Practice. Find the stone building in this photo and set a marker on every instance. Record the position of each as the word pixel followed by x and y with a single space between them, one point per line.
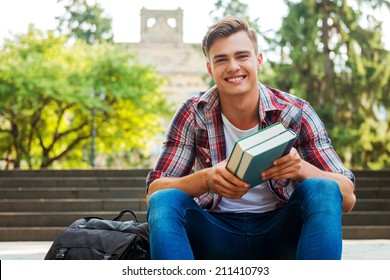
pixel 162 45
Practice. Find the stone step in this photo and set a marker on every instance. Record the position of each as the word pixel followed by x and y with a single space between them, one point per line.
pixel 128 191
pixel 76 173
pixel 29 233
pixel 371 173
pixel 366 218
pixel 56 205
pixel 50 233
pixel 74 193
pixel 138 204
pixel 132 181
pixel 64 218
pixel 136 172
pixel 372 182
pixel 366 232
pixel 71 182
pixel 375 192
pixel 57 219
pixel 372 204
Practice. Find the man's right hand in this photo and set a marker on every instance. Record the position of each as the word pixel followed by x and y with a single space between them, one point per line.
pixel 224 183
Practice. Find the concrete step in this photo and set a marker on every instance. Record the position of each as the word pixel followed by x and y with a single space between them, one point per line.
pixel 64 218
pixel 138 204
pixel 366 232
pixel 372 182
pixel 50 233
pixel 122 181
pixel 56 205
pixel 75 173
pixel 367 218
pixel 29 233
pixel 128 191
pixel 71 182
pixel 57 219
pixel 137 172
pixel 370 173
pixel 74 193
pixel 373 192
pixel 372 204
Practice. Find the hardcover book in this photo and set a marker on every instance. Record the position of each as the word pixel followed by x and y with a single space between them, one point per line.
pixel 255 153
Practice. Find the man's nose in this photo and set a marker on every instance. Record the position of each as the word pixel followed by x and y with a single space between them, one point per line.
pixel 233 66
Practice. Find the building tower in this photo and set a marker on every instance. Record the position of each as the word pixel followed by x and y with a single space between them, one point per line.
pixel 162 26
pixel 162 46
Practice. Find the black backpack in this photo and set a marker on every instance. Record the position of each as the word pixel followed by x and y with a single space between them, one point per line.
pixel 93 238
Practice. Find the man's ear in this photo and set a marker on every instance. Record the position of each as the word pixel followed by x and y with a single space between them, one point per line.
pixel 209 70
pixel 259 61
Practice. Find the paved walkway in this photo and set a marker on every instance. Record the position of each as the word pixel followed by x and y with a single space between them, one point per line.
pixel 353 250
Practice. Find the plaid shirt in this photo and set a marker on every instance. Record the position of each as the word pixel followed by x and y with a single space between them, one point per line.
pixel 196 140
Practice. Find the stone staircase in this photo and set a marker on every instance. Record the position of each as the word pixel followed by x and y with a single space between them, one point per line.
pixel 370 218
pixel 37 205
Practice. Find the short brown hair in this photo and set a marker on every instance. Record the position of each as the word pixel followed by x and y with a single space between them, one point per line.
pixel 226 27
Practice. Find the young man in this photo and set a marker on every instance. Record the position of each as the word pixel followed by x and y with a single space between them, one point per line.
pixel 198 209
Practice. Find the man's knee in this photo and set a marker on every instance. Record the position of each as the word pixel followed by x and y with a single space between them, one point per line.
pixel 320 186
pixel 168 202
pixel 167 196
pixel 320 191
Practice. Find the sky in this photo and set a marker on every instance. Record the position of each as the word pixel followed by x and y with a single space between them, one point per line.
pixel 16 15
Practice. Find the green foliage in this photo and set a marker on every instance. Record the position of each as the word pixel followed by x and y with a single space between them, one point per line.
pixel 48 89
pixel 332 55
pixel 224 8
pixel 85 22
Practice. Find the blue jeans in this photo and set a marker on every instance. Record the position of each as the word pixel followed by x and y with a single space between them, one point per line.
pixel 307 227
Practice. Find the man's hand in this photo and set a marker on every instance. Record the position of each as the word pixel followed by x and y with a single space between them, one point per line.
pixel 286 167
pixel 224 183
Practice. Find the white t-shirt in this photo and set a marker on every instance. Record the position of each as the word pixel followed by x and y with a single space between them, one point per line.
pixel 258 199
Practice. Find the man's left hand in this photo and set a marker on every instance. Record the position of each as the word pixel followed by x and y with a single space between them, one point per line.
pixel 287 167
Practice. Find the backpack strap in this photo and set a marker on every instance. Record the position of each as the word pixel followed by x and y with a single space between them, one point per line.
pixel 118 218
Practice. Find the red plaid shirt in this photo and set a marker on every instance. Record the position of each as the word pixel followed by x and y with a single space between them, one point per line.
pixel 196 140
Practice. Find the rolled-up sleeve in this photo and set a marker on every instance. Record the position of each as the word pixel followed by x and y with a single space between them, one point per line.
pixel 178 151
pixel 315 146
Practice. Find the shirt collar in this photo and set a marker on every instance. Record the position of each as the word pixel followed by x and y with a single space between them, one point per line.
pixel 209 99
pixel 268 100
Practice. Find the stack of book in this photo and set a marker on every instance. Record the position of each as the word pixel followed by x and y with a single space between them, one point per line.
pixel 255 153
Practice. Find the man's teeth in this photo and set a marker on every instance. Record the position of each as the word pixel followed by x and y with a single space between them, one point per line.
pixel 235 79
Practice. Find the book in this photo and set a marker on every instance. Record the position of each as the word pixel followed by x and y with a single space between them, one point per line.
pixel 255 153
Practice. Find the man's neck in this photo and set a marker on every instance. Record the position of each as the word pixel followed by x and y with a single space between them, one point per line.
pixel 243 113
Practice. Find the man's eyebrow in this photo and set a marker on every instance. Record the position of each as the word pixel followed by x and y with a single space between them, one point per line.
pixel 242 52
pixel 219 56
pixel 225 55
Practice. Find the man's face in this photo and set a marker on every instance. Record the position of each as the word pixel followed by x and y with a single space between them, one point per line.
pixel 233 64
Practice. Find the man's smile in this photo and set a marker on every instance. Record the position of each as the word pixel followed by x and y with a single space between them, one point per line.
pixel 235 79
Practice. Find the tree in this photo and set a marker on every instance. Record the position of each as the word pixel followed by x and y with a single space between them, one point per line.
pixel 224 8
pixel 46 102
pixel 332 54
pixel 86 22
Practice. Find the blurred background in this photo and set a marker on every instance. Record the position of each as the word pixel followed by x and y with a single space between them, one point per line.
pixel 93 84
